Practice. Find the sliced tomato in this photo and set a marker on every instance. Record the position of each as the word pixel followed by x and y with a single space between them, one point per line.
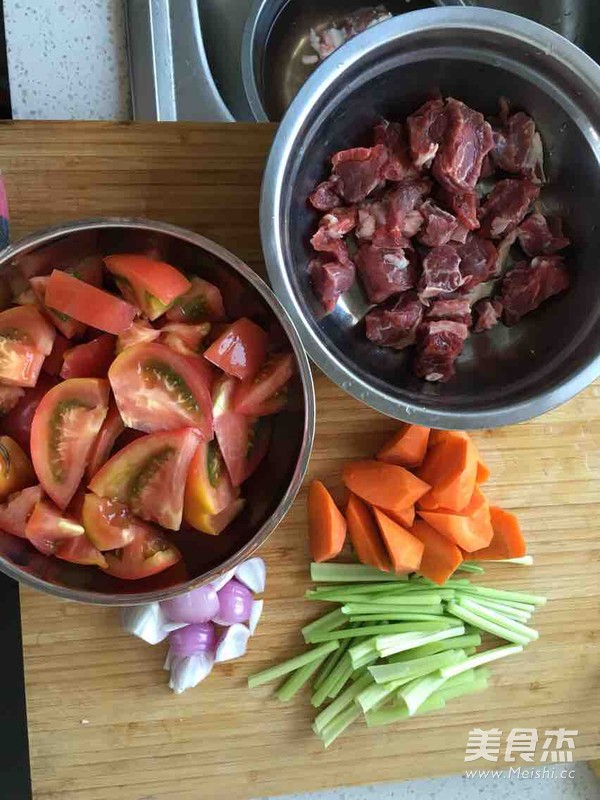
pixel 15 513
pixel 270 379
pixel 26 298
pixel 149 553
pixel 19 364
pixel 9 397
pixel 63 431
pixel 111 429
pixel 69 327
pixel 108 524
pixel 157 389
pixel 258 445
pixel 48 525
pixel 53 363
pixel 90 359
pixel 203 302
pixel 149 475
pixel 16 472
pixel 87 304
pixel 80 551
pixel 185 338
pixel 27 325
pixel 139 332
pixel 150 284
pixel 240 350
pixel 208 489
pixel 17 423
pixel 216 523
pixel 274 404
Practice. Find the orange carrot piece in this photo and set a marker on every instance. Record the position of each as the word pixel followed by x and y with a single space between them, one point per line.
pixel 483 472
pixel 406 448
pixel 507 541
pixel 387 486
pixel 364 535
pixel 404 517
pixel 326 524
pixel 428 502
pixel 404 549
pixel 450 467
pixel 471 529
pixel 441 557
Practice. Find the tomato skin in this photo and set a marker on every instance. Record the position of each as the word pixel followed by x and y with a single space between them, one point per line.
pixel 69 328
pixel 149 475
pixel 259 439
pixel 17 510
pixel 139 332
pixel 185 338
pixel 273 375
pixel 148 554
pixel 16 472
pixel 215 524
pixel 157 389
pixel 203 302
pixel 154 284
pixel 80 551
pixel 108 524
pixel 64 427
pixel 240 350
pixel 17 423
pixel 87 304
pixel 53 363
pixel 208 489
pixel 47 526
pixel 111 429
pixel 27 325
pixel 90 359
pixel 9 397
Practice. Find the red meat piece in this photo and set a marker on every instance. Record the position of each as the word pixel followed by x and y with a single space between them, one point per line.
pixel 330 279
pixel 455 309
pixel 541 236
pixel 439 343
pixel 487 314
pixel 463 205
pixel 331 231
pixel 324 197
pixel 518 148
pixel 385 271
pixel 426 127
pixel 526 286
pixel 391 220
pixel 441 273
pixel 477 261
pixel 399 165
pixel 438 227
pixel 506 206
pixel 487 166
pixel 395 326
pixel 358 171
pixel 460 234
pixel 467 140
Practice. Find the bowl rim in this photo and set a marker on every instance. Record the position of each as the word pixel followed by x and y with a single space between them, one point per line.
pixel 319 82
pixel 48 235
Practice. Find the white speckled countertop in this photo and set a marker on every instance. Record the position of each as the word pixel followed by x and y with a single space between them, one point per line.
pixel 68 60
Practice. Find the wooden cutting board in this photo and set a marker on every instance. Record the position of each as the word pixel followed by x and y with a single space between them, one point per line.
pixel 102 723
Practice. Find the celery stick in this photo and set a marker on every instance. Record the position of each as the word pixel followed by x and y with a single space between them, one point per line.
pixel 407 599
pixel 465 641
pixel 504 608
pixel 279 670
pixel 526 561
pixel 383 608
pixel 328 622
pixel 403 616
pixel 496 616
pixel 340 573
pixel 417 667
pixel 470 566
pixel 323 685
pixel 343 676
pixel 477 684
pixel 298 679
pixel 501 594
pixel 416 692
pixel 373 630
pixel 399 712
pixel 337 596
pixel 375 693
pixel 339 724
pixel 339 704
pixel 362 588
pixel 485 624
pixel 482 658
pixel 391 644
pixel 332 661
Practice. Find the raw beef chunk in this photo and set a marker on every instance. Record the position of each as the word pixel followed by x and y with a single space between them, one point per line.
pixel 526 286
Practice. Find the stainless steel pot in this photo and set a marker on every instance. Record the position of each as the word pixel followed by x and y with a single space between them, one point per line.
pixel 478 55
pixel 269 492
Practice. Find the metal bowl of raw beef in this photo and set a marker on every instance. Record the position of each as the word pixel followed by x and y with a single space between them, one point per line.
pixel 270 490
pixel 507 374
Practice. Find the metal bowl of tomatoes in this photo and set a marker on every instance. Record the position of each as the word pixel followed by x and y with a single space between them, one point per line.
pixel 157 411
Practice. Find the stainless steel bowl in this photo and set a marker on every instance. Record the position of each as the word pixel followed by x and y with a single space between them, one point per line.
pixel 478 55
pixel 269 492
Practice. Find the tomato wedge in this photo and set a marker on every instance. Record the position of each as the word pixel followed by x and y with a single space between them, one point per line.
pixel 157 389
pixel 9 397
pixel 108 524
pixel 149 476
pixel 80 551
pixel 89 360
pixel 19 364
pixel 18 509
pixel 139 332
pixel 240 350
pixel 16 472
pixel 63 431
pixel 203 302
pixel 53 363
pixel 252 393
pixel 17 423
pixel 149 553
pixel 152 285
pixel 208 489
pixel 272 405
pixel 111 429
pixel 184 338
pixel 69 328
pixel 48 525
pixel 26 324
pixel 216 523
pixel 87 304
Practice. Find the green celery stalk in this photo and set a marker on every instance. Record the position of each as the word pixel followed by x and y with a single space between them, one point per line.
pixel 339 724
pixel 485 624
pixel 385 609
pixel 373 630
pixel 416 692
pixel 399 712
pixel 340 573
pixel 451 691
pixel 408 599
pixel 526 561
pixel 465 641
pixel 396 617
pixel 482 658
pixel 298 679
pixel 417 667
pixel 328 622
pixel 374 694
pixel 345 673
pixel 322 687
pixel 346 698
pixel 391 644
pixel 501 594
pixel 508 611
pixel 362 588
pixel 496 616
pixel 279 670
pixel 470 566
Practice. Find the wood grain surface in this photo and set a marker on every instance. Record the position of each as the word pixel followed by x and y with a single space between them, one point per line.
pixel 102 723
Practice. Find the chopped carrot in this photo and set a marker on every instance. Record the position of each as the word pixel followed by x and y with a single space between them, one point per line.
pixel 404 517
pixel 507 541
pixel 450 467
pixel 428 502
pixel 326 524
pixel 441 557
pixel 406 448
pixel 483 472
pixel 364 535
pixel 387 486
pixel 404 549
pixel 471 529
